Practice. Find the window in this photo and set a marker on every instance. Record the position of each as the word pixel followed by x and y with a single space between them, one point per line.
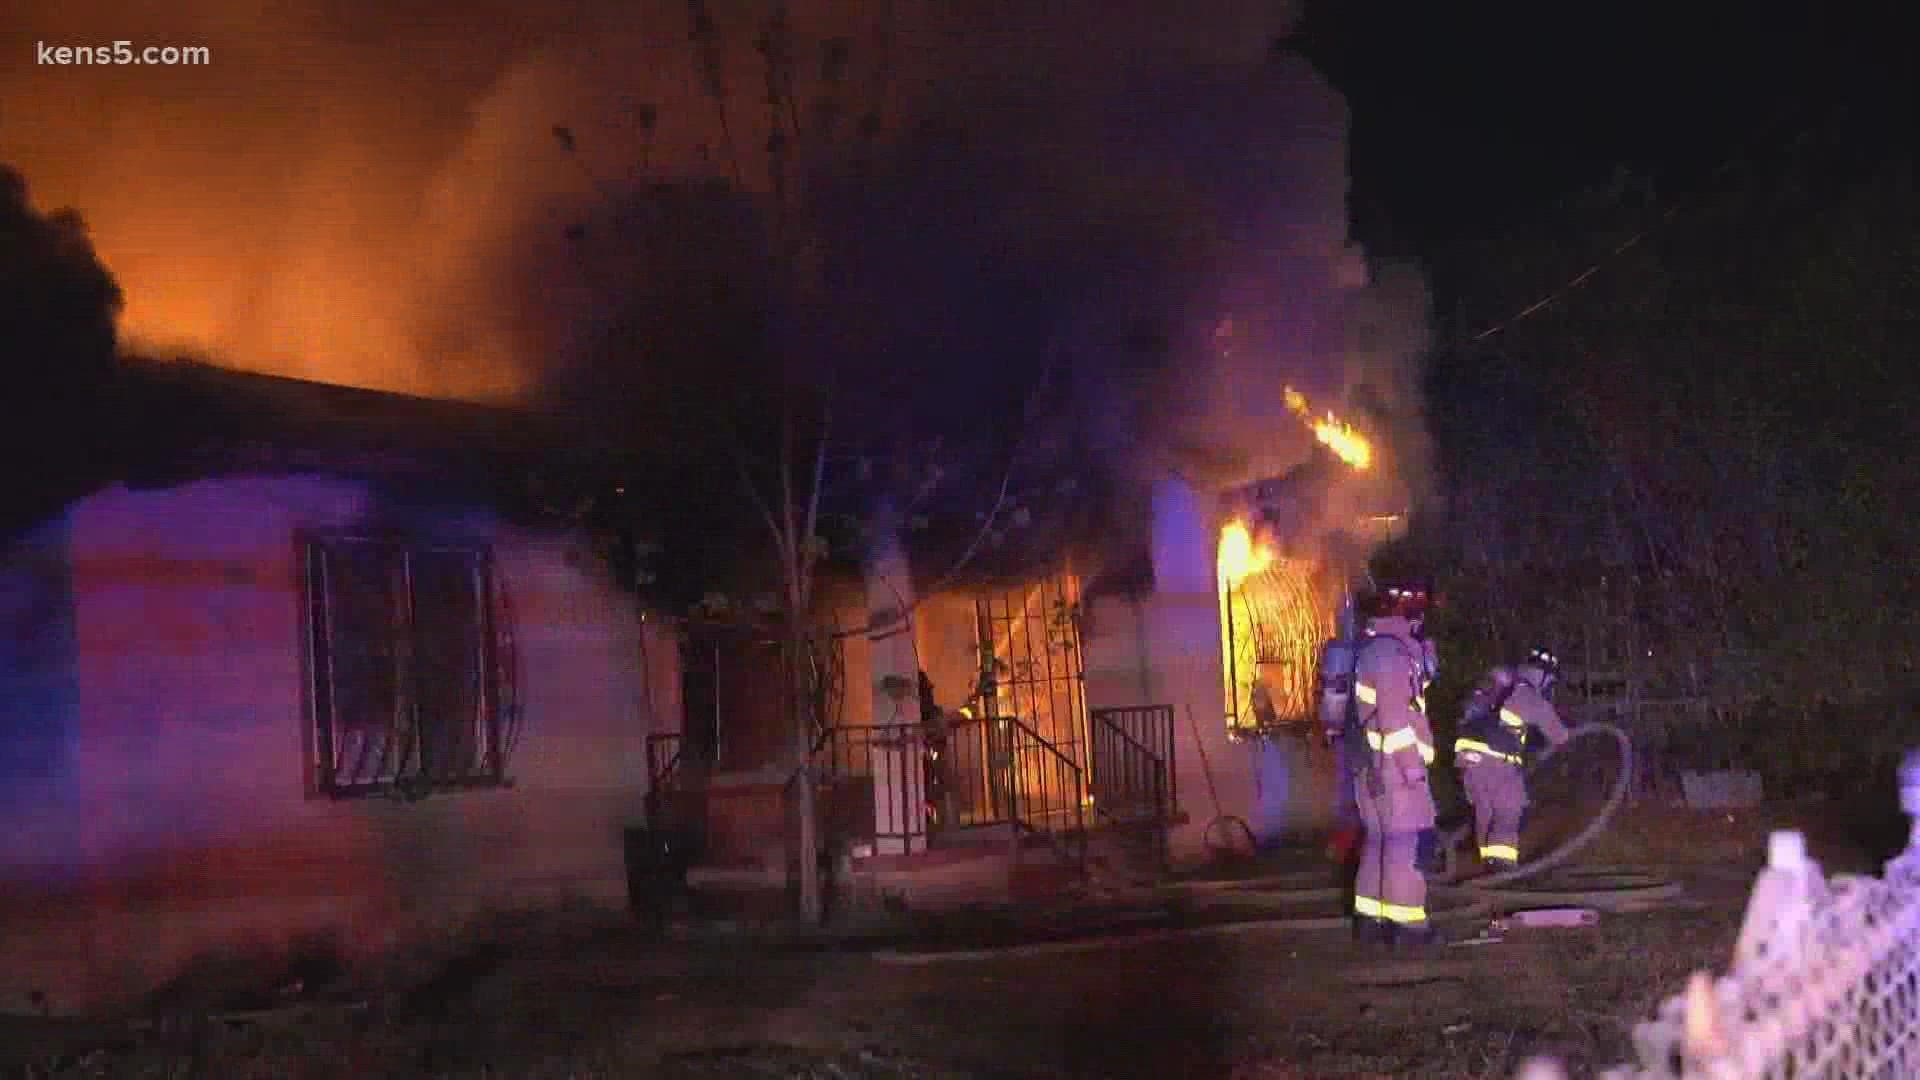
pixel 1034 743
pixel 1275 614
pixel 410 656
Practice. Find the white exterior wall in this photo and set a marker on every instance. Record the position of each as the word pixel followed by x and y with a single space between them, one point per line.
pixel 175 814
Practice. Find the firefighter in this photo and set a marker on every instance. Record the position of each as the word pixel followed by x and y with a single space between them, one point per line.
pixel 1491 750
pixel 1393 746
pixel 1337 659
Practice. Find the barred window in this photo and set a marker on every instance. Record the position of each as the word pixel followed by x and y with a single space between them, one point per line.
pixel 409 657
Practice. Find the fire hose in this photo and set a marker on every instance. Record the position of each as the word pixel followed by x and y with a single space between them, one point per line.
pixel 1284 895
pixel 1451 840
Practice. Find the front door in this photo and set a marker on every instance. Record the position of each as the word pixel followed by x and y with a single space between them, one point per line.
pixel 1033 694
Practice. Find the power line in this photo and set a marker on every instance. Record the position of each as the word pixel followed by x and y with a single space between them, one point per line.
pixel 1578 279
pixel 1798 140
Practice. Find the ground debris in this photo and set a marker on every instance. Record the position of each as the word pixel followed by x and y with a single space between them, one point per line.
pixel 1274 1005
pixel 796 1063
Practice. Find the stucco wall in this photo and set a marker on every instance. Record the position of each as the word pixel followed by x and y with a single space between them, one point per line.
pixel 1116 652
pixel 1165 649
pixel 944 641
pixel 176 815
pixel 39 690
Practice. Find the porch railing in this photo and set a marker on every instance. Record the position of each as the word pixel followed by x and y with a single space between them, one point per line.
pixel 1133 777
pixel 979 772
pixel 973 785
pixel 873 780
pixel 1049 789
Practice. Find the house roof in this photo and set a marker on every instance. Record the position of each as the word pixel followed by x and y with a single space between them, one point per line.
pixel 160 423
pixel 218 417
pixel 1099 528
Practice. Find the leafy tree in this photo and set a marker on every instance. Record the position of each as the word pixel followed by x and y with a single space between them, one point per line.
pixel 1703 433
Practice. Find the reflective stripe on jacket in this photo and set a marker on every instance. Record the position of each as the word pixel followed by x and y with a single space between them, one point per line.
pixel 1499 726
pixel 1392 709
pixel 1501 732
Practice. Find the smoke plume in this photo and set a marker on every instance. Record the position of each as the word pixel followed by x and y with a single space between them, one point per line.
pixel 372 193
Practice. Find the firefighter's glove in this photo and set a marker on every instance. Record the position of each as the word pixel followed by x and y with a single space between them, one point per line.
pixel 1413 775
pixel 1426 852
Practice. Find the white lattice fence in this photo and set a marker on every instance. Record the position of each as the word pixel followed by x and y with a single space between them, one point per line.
pixel 1825 980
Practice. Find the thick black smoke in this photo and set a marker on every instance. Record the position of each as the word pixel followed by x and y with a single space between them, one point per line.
pixel 374 194
pixel 57 310
pixel 1168 234
pixel 57 303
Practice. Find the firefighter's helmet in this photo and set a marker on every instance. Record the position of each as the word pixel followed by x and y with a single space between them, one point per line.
pixel 1543 661
pixel 1399 599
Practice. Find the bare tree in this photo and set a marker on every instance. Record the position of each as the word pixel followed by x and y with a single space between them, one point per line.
pixel 819 431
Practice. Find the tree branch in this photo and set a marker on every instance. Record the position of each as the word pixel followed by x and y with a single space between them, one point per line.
pixel 813 504
pixel 789 550
pixel 753 492
pixel 1028 411
pixel 973 547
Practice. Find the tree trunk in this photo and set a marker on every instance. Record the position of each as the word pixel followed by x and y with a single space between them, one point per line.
pixel 806 802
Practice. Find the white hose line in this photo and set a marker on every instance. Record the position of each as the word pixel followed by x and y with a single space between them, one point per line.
pixel 1478 908
pixel 1615 799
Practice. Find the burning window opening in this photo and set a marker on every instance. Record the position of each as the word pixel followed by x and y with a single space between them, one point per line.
pixel 1333 433
pixel 1273 618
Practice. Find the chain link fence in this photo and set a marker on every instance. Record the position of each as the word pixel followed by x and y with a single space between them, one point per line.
pixel 1825 979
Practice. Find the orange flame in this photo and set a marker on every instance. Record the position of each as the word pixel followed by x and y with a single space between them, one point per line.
pixel 1337 436
pixel 1273 620
pixel 1239 556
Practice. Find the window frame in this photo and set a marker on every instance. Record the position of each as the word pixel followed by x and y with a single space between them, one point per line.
pixel 495 707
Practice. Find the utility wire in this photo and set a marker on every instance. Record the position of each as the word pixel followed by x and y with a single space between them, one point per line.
pixel 1672 213
pixel 1578 279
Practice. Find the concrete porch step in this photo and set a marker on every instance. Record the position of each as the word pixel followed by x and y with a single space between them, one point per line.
pixel 927 860
pixel 1032 881
pixel 739 875
pixel 997 836
pixel 931 880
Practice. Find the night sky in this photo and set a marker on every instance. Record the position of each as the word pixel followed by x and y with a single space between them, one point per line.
pixel 1466 114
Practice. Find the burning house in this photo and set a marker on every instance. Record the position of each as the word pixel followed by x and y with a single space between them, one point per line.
pixel 1069 711
pixel 1143 688
pixel 314 671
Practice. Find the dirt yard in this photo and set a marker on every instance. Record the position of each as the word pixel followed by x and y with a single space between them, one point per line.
pixel 544 1001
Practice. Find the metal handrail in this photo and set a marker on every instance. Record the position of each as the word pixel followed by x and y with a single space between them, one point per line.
pixel 1138 746
pixel 1144 770
pixel 1108 800
pixel 1063 766
pixel 850 756
pixel 974 791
